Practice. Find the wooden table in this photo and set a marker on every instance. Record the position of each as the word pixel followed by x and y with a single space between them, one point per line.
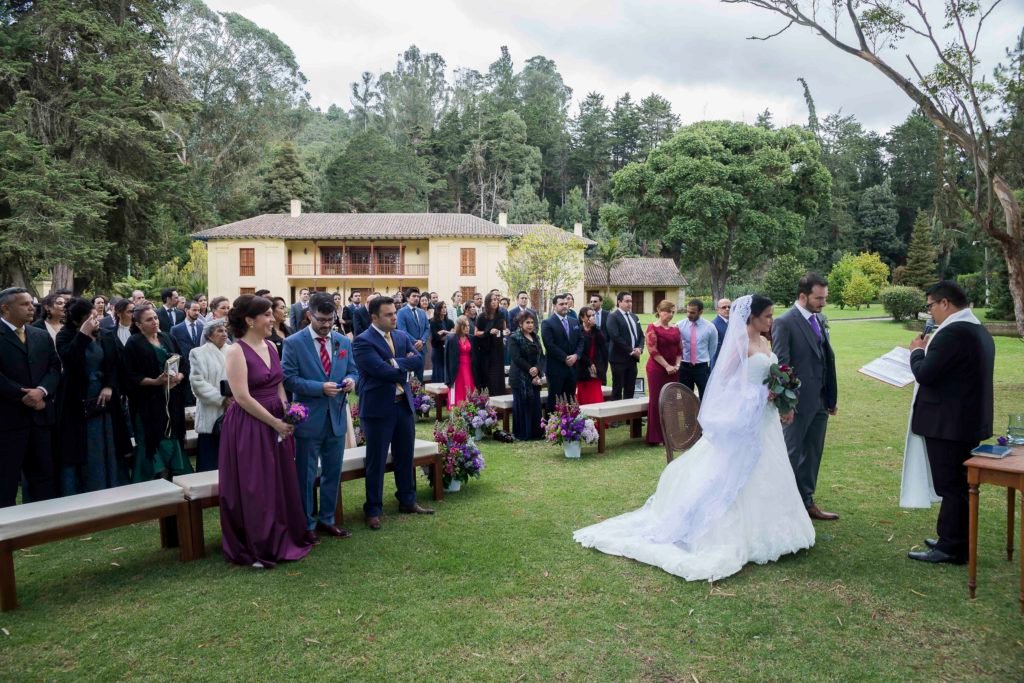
pixel 1008 472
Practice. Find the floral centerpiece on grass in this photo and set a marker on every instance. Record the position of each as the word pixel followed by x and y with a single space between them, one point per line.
pixel 783 387
pixel 477 413
pixel 460 458
pixel 422 403
pixel 356 427
pixel 567 427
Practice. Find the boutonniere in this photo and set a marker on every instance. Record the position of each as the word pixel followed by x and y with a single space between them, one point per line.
pixel 824 323
pixel 342 353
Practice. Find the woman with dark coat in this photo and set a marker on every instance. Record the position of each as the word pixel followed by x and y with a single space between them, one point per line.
pixel 157 399
pixel 440 327
pixel 525 375
pixel 489 358
pixel 593 362
pixel 93 440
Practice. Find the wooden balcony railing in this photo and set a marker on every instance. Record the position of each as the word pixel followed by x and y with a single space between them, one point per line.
pixel 358 269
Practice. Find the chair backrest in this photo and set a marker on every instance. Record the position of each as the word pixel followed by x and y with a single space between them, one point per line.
pixel 678 407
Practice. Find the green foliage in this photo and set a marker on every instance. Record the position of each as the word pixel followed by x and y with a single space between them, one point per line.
pixel 607 256
pixel 902 302
pixel 877 220
pixel 921 256
pixel 573 210
pixel 129 284
pixel 535 261
pixel 1000 302
pixel 858 291
pixel 780 282
pixel 286 179
pixel 974 287
pixel 375 175
pixel 838 278
pixel 876 272
pixel 527 207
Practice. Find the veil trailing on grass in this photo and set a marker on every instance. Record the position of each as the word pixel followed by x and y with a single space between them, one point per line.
pixel 730 416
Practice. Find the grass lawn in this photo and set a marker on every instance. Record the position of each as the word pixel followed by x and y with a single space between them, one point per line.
pixel 493 588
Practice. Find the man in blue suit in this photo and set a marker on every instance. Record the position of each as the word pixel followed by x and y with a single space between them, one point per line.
pixel 188 334
pixel 385 356
pixel 319 372
pixel 562 345
pixel 522 306
pixel 413 321
pixel 721 323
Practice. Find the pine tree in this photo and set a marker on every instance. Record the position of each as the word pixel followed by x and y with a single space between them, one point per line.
pixel 922 258
pixel 286 179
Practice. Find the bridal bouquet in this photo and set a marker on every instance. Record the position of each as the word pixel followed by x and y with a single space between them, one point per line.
pixel 295 414
pixel 567 425
pixel 783 387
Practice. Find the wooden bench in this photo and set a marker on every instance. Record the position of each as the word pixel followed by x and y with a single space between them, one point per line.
pixel 201 489
pixel 33 524
pixel 439 392
pixel 503 404
pixel 631 409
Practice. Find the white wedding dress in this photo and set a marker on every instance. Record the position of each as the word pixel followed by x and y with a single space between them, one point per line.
pixel 765 520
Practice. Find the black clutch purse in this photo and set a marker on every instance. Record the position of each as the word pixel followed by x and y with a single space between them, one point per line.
pixel 225 388
pixel 91 407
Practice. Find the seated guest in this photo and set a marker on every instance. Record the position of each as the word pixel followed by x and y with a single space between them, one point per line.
pixel 206 372
pixel 279 332
pixel 52 319
pixel 219 308
pixel 458 365
pixel 92 444
pixel 261 517
pixel 665 348
pixel 440 327
pixel 30 370
pixel 593 361
pixel 525 378
pixel 157 399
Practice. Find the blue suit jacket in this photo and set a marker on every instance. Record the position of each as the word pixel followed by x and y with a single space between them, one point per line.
pixel 179 333
pixel 557 346
pixel 413 321
pixel 377 376
pixel 720 325
pixel 304 379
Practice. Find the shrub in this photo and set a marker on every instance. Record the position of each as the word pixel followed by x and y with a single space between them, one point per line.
pixel 974 287
pixel 902 302
pixel 840 274
pixel 781 280
pixel 858 291
pixel 899 275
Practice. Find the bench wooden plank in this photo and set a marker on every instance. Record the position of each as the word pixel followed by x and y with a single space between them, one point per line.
pixel 628 409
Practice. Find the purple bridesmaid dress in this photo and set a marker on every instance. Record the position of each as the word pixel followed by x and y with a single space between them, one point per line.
pixel 261 515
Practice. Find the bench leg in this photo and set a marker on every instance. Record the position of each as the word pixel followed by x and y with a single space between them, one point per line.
pixel 600 436
pixel 504 420
pixel 169 532
pixel 438 479
pixel 195 515
pixel 184 526
pixel 1011 500
pixel 437 405
pixel 636 428
pixel 8 594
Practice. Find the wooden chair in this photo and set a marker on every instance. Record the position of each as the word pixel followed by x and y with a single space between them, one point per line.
pixel 678 407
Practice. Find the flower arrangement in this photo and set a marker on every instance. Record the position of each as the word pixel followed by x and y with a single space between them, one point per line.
pixel 567 425
pixel 476 413
pixel 422 403
pixel 357 429
pixel 783 387
pixel 294 414
pixel 460 458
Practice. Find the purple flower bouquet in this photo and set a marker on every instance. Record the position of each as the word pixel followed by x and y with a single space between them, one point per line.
pixel 295 414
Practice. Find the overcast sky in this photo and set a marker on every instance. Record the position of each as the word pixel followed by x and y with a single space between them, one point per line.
pixel 694 52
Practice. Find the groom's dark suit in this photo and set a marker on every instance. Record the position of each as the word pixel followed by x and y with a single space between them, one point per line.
pixel 796 343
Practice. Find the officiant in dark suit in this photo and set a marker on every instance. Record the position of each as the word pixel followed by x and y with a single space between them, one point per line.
pixel 800 339
pixel 952 411
pixel 29 377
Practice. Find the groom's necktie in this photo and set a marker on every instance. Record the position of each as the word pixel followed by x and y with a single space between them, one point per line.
pixel 325 358
pixel 815 326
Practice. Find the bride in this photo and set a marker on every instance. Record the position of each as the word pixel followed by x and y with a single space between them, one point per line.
pixel 732 498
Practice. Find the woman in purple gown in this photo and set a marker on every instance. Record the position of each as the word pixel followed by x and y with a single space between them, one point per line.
pixel 261 516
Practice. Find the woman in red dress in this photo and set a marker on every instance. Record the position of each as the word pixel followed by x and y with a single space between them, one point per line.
pixel 593 361
pixel 458 365
pixel 666 352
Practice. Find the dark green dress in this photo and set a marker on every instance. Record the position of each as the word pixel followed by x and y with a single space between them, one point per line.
pixel 168 454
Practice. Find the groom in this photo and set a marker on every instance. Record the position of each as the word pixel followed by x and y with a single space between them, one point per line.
pixel 800 340
pixel 319 372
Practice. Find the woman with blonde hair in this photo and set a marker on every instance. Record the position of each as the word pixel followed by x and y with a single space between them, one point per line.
pixel 458 370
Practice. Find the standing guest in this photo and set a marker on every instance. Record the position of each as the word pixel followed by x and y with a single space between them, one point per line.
pixel 428 356
pixel 700 341
pixel 188 334
pixel 425 305
pixel 952 410
pixel 413 321
pixel 156 398
pixel 522 306
pixel 490 332
pixel 478 300
pixel 399 298
pixel 99 306
pixel 562 346
pixel 665 347
pixel 626 346
pixel 525 377
pixel 800 341
pixel 571 310
pixel 124 311
pixel 355 300
pixel 721 323
pixel 385 357
pixel 440 327
pixel 593 363
pixel 279 331
pixel 600 317
pixel 207 370
pixel 180 305
pixel 260 506
pixel 471 311
pixel 265 293
pixel 204 306
pixel 456 308
pixel 108 323
pixel 91 445
pixel 53 315
pixel 320 373
pixel 168 314
pixel 30 370
pixel 219 308
pixel 339 322
pixel 298 310
pixel 138 296
pixel 458 364
pixel 504 302
pixel 104 312
pixel 361 316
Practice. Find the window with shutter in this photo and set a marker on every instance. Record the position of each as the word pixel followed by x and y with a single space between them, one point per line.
pixel 247 261
pixel 468 261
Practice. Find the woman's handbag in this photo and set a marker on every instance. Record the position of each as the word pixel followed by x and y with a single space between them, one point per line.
pixel 91 407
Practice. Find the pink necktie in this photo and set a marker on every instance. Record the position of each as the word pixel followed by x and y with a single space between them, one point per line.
pixel 325 360
pixel 693 344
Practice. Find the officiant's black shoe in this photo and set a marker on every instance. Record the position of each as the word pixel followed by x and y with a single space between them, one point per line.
pixel 814 512
pixel 415 509
pixel 332 530
pixel 931 542
pixel 935 556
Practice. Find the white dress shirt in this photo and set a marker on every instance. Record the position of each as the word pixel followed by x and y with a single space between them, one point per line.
pixel 707 340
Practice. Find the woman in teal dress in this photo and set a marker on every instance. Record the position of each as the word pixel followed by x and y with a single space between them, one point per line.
pixel 157 400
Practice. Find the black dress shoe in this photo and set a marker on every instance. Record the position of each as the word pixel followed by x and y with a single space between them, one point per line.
pixel 935 557
pixel 332 530
pixel 415 510
pixel 311 538
pixel 931 542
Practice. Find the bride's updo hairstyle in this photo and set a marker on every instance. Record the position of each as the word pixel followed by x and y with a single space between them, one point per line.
pixel 758 305
pixel 245 306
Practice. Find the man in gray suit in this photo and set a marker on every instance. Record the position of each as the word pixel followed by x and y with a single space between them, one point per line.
pixel 800 339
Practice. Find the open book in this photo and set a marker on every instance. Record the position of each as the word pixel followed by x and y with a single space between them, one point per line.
pixel 892 368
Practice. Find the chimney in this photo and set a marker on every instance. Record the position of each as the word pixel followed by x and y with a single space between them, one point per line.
pixel 503 219
pixel 296 208
pixel 577 229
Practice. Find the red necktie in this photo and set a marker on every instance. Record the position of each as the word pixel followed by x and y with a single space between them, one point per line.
pixel 693 344
pixel 325 360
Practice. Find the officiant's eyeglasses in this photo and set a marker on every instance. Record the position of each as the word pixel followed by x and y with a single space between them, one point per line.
pixel 928 306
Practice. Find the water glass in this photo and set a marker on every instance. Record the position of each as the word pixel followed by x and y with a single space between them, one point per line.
pixel 1015 429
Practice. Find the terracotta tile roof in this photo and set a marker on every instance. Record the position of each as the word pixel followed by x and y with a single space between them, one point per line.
pixel 637 272
pixel 553 230
pixel 357 226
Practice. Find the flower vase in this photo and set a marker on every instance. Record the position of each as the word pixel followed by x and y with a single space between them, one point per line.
pixel 572 449
pixel 478 434
pixel 453 486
